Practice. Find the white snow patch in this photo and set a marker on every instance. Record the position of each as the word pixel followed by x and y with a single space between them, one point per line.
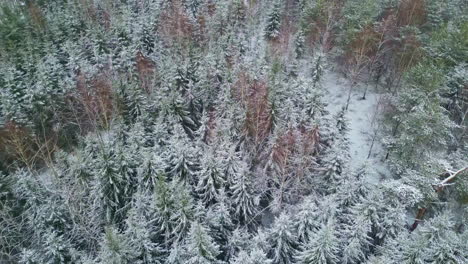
pixel 363 123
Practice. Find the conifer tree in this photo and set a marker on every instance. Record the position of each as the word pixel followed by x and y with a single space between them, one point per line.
pixel 282 240
pixel 256 256
pixel 237 242
pixel 55 248
pixel 306 220
pixel 140 233
pixel 163 209
pixel 210 179
pixel 323 247
pixel 182 157
pixel 273 25
pixel 299 44
pixel 199 247
pixel 184 210
pixel 337 156
pixel 114 248
pixel 243 199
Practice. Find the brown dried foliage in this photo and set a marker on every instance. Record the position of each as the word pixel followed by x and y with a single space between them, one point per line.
pixel 36 14
pixel 411 12
pixel 282 44
pixel 175 23
pixel 16 144
pixel 253 94
pixel 363 48
pixel 145 68
pixel 408 53
pixel 210 133
pixel 322 23
pixel 258 115
pixel 300 142
pixel 96 100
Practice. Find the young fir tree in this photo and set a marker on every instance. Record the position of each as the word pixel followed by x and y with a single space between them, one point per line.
pixel 282 240
pixel 238 241
pixel 163 204
pixel 182 157
pixel 55 248
pixel 140 233
pixel 299 44
pixel 151 167
pixel 220 224
pixel 243 199
pixel 436 241
pixel 184 210
pixel 337 156
pixel 323 247
pixel 199 247
pixel 210 178
pixel 306 220
pixel 115 248
pixel 256 256
pixel 273 22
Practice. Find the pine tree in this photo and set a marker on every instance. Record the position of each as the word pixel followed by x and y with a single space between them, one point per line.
pixel 323 247
pixel 164 209
pixel 182 157
pixel 55 248
pixel 282 240
pixel 299 44
pixel 244 202
pixel 114 248
pixel 220 222
pixel 256 256
pixel 184 210
pixel 114 181
pixel 152 166
pixel 273 25
pixel 210 178
pixel 199 247
pixel 335 161
pixel 317 69
pixel 237 242
pixel 306 220
pixel 140 233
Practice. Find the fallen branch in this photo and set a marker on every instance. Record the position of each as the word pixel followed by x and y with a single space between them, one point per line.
pixel 450 176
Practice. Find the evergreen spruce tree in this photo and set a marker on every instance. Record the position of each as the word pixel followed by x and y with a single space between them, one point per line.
pixel 210 178
pixel 273 25
pixel 114 182
pixel 219 221
pixel 306 220
pixel 184 210
pixel 256 256
pixel 164 209
pixel 140 233
pixel 323 247
pixel 337 156
pixel 114 248
pixel 55 248
pixel 182 157
pixel 244 202
pixel 199 247
pixel 237 242
pixel 282 240
pixel 299 44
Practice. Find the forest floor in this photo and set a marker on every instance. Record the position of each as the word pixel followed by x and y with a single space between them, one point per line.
pixel 364 124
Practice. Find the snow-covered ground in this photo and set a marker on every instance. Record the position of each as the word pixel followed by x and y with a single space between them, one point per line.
pixel 363 122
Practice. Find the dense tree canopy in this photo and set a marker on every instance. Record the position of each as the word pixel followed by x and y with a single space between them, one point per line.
pixel 233 131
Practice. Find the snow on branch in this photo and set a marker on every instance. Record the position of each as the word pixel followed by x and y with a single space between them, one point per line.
pixel 451 176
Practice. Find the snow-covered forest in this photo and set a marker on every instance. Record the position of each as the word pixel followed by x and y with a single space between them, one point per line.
pixel 234 131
